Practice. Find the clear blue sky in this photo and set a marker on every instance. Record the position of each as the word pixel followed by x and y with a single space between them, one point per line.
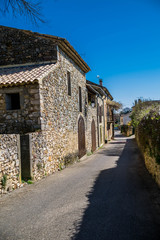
pixel 119 39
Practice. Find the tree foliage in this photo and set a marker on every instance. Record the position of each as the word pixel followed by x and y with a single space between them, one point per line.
pixel 126 110
pixel 145 109
pixel 26 8
pixel 115 105
pixel 146 118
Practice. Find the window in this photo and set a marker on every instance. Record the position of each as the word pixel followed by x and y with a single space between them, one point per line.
pixel 80 99
pixel 12 101
pixel 91 99
pixel 69 83
pixel 100 114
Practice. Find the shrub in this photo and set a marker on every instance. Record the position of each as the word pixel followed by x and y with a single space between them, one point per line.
pixel 4 180
pixel 148 134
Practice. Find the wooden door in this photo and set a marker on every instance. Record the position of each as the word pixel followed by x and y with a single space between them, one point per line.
pixel 93 134
pixel 25 157
pixel 81 138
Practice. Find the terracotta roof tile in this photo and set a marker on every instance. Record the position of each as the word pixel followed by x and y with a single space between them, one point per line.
pixel 24 74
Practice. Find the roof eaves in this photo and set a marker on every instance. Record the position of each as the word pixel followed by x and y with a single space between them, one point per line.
pixel 89 86
pixel 67 48
pixel 27 77
pixel 4 85
pixel 95 84
pixel 71 52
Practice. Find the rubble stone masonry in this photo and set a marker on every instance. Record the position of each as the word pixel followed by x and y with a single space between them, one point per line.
pixel 9 162
pixel 47 113
pixel 54 143
pixel 27 118
pixel 20 47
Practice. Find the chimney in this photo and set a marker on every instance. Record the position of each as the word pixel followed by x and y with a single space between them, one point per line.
pixel 100 82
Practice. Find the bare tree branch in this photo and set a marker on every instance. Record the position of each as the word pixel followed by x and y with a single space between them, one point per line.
pixel 22 7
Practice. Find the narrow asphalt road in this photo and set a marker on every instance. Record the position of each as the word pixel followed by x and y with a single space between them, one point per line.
pixel 109 195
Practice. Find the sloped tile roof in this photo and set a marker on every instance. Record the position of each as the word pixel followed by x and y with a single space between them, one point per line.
pixel 97 86
pixel 62 43
pixel 24 74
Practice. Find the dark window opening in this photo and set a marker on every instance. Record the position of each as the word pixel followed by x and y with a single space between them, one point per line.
pixel 100 114
pixel 69 83
pixel 12 101
pixel 91 99
pixel 80 99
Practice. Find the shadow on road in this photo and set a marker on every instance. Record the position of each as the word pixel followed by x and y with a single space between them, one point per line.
pixel 120 204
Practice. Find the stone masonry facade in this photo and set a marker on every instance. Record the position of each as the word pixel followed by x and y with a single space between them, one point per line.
pixel 9 162
pixel 20 47
pixel 27 118
pixel 91 115
pixel 48 113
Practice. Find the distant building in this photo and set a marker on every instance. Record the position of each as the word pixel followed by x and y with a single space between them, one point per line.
pixel 105 117
pixel 125 118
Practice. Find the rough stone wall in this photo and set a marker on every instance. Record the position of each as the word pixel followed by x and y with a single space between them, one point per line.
pixel 91 114
pixel 108 123
pixel 55 145
pixel 19 47
pixel 152 166
pixel 48 152
pixel 148 139
pixel 106 119
pixel 110 131
pixel 9 162
pixel 126 130
pixel 25 119
pixel 101 125
pixel 150 161
pixel 60 112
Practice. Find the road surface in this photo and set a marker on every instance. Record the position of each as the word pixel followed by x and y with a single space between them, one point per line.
pixel 108 195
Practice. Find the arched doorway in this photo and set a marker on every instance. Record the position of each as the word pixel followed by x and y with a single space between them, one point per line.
pixel 93 134
pixel 81 137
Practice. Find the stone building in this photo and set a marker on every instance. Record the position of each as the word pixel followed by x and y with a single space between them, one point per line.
pixel 42 110
pixel 104 112
pixel 109 123
pixel 46 117
pixel 125 118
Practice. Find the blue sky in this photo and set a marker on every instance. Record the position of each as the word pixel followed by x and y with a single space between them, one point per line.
pixel 119 39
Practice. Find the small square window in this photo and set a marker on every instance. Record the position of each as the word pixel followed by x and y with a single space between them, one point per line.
pixel 12 101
